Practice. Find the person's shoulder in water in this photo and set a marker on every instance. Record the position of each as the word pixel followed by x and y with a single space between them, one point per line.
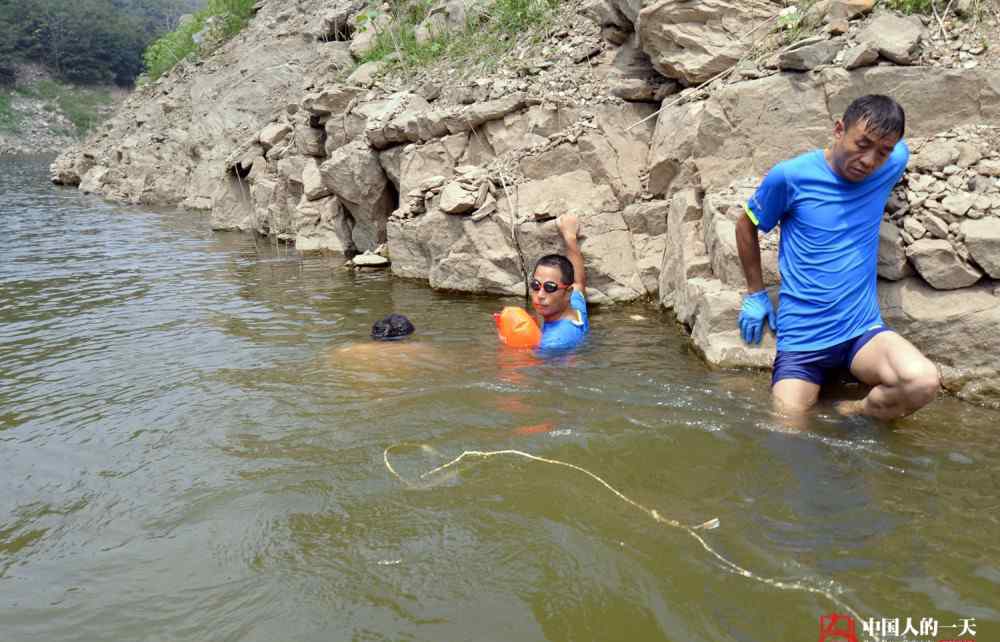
pixel 390 345
pixel 558 292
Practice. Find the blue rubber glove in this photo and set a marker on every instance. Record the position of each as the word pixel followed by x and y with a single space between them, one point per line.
pixel 756 307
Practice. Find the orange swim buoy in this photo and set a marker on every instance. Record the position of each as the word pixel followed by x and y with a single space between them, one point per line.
pixel 517 328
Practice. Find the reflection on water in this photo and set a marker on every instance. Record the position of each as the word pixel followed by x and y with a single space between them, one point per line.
pixel 191 438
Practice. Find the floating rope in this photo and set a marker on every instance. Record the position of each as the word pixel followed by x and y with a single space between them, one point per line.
pixel 711 524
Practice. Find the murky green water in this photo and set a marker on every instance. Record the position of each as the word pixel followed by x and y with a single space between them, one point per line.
pixel 188 453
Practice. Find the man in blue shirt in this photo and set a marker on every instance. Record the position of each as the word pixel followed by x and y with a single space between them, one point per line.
pixel 829 204
pixel 558 292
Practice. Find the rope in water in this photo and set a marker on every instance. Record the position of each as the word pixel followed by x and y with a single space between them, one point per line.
pixel 727 564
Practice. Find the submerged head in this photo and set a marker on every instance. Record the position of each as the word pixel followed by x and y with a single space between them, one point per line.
pixel 551 286
pixel 866 135
pixel 394 326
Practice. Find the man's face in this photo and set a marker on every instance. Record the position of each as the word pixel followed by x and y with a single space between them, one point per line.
pixel 551 305
pixel 857 152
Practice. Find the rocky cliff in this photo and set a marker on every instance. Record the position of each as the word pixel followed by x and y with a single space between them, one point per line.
pixel 652 120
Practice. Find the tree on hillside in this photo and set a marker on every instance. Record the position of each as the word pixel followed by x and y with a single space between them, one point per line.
pixel 85 41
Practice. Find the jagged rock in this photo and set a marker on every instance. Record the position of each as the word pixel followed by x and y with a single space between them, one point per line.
pixel 633 77
pixel 693 41
pixel 354 175
pixel 892 262
pixel 323 225
pixel 273 134
pixel 606 15
pixel 914 228
pixel 898 39
pixel 310 141
pixel 982 237
pixel 455 199
pixel 935 156
pixel 956 329
pixel 968 155
pixel 365 75
pixel 958 203
pixel 647 223
pixel 615 153
pixel 716 329
pixel 291 169
pixel 420 162
pixel 685 256
pixel 93 180
pixel 862 55
pixel 988 167
pixel 473 116
pixel 939 264
pixel 575 192
pixel 313 187
pixel 809 54
pixel 722 209
pixel 848 9
pixel 331 100
pixel 935 225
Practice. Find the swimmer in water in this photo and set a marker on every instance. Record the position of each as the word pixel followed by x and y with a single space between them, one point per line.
pixel 388 347
pixel 558 292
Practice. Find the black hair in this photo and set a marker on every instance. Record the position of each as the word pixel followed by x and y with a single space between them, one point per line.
pixel 561 262
pixel 394 326
pixel 882 115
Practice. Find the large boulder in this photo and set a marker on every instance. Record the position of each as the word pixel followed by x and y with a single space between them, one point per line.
pixel 898 39
pixel 693 41
pixel 353 174
pixel 955 328
pixel 323 225
pixel 940 265
pixel 809 54
pixel 647 224
pixel 892 261
pixel 982 237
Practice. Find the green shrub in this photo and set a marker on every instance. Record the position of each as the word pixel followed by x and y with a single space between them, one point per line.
pixel 81 105
pixel 483 40
pixel 911 6
pixel 168 50
pixel 9 119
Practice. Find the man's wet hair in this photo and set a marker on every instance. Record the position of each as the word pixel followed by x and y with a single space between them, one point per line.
pixel 881 115
pixel 561 262
pixel 394 326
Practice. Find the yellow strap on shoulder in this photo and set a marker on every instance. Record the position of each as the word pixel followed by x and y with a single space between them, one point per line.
pixel 750 214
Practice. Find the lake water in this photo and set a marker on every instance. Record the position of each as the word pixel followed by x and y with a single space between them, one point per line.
pixel 190 449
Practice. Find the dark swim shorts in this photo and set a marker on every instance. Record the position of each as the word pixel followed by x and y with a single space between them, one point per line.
pixel 816 366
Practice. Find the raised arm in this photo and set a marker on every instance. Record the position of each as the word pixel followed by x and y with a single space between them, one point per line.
pixel 569 226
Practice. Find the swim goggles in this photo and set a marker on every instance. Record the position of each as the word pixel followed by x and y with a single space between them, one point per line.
pixel 550 286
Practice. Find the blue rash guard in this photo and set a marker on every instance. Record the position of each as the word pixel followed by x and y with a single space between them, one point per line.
pixel 828 251
pixel 566 333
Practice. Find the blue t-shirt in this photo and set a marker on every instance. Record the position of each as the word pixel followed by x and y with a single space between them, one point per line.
pixel 828 252
pixel 566 333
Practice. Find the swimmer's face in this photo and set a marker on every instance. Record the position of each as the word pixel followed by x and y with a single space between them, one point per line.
pixel 551 305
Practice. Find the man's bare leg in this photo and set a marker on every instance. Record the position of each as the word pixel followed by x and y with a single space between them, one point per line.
pixel 904 380
pixel 792 399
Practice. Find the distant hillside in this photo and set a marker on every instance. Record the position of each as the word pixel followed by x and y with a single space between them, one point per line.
pixel 85 41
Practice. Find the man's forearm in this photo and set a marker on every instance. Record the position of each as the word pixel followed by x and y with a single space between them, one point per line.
pixel 748 247
pixel 575 257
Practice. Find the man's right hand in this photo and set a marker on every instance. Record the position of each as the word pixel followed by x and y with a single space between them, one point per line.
pixel 756 307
